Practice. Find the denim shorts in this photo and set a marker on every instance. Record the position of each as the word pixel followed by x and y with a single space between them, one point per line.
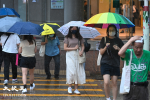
pixel 111 70
pixel 28 62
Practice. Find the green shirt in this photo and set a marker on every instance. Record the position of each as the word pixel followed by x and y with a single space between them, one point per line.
pixel 139 66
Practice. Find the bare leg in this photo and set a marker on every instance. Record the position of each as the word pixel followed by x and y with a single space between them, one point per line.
pixel 24 75
pixel 70 85
pixel 31 72
pixel 75 86
pixel 114 86
pixel 106 78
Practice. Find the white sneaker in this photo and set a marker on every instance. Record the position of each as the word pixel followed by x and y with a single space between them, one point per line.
pixel 77 92
pixel 69 90
pixel 14 81
pixel 108 98
pixel 5 82
pixel 24 90
pixel 31 88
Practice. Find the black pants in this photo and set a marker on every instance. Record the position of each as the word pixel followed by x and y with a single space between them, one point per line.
pixel 9 58
pixel 57 64
pixel 1 60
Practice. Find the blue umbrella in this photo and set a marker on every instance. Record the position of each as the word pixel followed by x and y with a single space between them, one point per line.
pixel 26 28
pixel 8 11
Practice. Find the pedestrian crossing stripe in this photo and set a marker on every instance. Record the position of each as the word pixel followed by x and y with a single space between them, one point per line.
pixel 54 95
pixel 52 84
pixel 43 89
pixel 87 80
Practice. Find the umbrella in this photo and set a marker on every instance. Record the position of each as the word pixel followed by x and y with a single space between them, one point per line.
pixel 8 12
pixel 7 22
pixel 49 28
pixel 103 20
pixel 86 32
pixel 26 28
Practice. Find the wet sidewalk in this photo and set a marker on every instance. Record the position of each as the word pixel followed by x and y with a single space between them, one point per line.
pixel 53 89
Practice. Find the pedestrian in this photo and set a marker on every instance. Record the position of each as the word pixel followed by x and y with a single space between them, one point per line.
pixel 140 66
pixel 9 42
pixel 27 49
pixel 110 61
pixel 52 50
pixel 1 57
pixel 75 72
pixel 134 16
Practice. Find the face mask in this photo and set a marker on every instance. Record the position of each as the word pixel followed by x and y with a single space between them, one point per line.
pixel 112 33
pixel 51 35
pixel 74 31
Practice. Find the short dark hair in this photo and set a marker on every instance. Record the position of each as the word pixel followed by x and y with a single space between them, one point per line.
pixel 107 31
pixel 51 34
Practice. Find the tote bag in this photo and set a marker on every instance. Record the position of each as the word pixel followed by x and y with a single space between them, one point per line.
pixel 125 79
pixel 42 51
pixel 100 56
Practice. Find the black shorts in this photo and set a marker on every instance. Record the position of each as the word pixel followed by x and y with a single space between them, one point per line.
pixel 111 70
pixel 28 62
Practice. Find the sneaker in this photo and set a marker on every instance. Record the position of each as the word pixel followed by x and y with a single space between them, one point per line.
pixel 48 77
pixel 5 82
pixel 14 81
pixel 56 76
pixel 69 90
pixel 24 90
pixel 32 87
pixel 77 92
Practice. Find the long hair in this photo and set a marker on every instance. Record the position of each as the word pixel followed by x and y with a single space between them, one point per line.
pixel 77 35
pixel 107 31
pixel 29 38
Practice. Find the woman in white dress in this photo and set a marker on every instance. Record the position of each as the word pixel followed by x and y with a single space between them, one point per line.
pixel 75 72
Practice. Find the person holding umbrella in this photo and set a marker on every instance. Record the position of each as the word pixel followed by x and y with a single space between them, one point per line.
pixel 52 50
pixel 110 61
pixel 75 72
pixel 9 43
pixel 28 49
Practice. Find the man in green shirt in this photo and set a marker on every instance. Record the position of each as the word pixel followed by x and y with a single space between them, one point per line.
pixel 140 65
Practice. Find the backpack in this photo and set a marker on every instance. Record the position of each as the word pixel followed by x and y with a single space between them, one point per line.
pixel 87 47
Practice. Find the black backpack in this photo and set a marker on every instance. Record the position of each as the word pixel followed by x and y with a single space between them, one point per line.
pixel 87 47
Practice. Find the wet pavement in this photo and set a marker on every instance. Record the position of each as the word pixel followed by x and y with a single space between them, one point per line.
pixel 53 89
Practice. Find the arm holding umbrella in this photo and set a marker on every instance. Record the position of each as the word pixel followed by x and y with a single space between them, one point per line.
pixel 44 39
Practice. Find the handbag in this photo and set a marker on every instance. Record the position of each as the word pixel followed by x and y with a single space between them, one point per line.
pixel 82 58
pixel 42 51
pixel 125 78
pixel 100 56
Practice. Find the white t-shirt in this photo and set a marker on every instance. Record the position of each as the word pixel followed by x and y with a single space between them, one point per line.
pixel 11 44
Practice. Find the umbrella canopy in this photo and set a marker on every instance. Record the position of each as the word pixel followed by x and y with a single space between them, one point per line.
pixel 103 20
pixel 8 11
pixel 26 28
pixel 49 28
pixel 86 32
pixel 7 22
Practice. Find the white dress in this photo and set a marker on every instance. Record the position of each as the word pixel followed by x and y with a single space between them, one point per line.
pixel 75 72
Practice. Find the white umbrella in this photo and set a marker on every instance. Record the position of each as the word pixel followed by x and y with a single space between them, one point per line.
pixel 86 32
pixel 7 22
